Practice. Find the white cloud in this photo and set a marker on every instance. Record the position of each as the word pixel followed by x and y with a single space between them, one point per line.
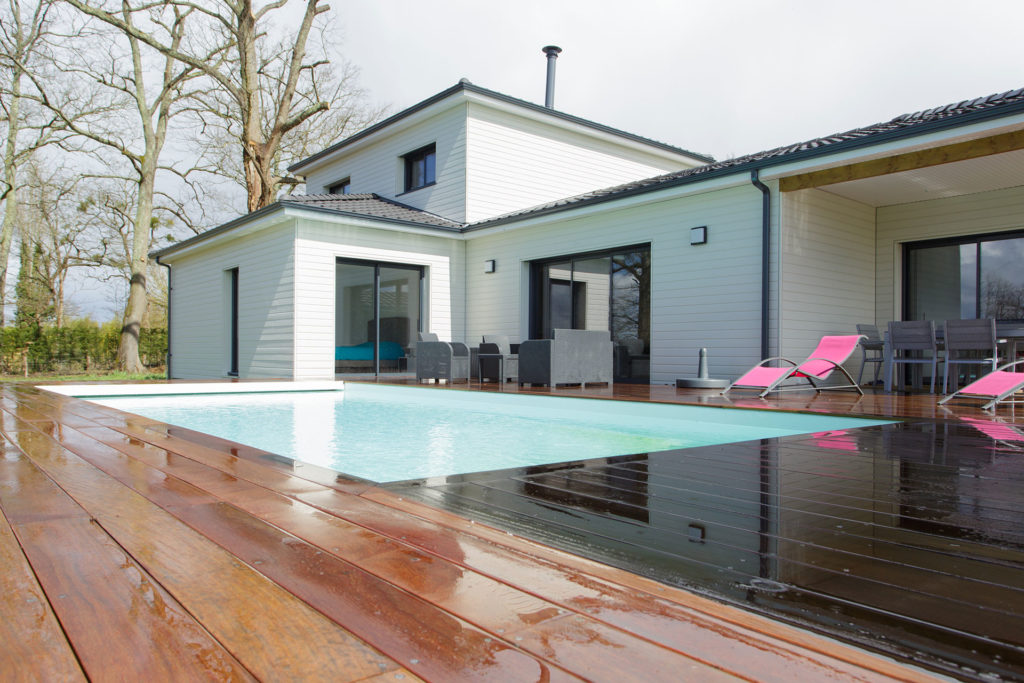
pixel 727 77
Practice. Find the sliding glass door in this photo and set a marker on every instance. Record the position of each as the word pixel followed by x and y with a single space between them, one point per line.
pixel 378 315
pixel 967 277
pixel 608 290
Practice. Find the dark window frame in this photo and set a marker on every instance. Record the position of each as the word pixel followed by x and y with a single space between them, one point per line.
pixel 536 281
pixel 421 155
pixel 909 247
pixel 233 368
pixel 345 184
pixel 377 266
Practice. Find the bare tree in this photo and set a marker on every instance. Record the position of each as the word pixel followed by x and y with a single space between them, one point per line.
pixel 270 90
pixel 123 76
pixel 23 30
pixel 54 241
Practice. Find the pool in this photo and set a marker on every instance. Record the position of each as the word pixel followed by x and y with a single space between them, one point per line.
pixel 394 433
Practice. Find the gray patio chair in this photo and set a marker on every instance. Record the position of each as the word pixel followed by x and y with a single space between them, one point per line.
pixel 571 357
pixel 912 342
pixel 872 349
pixel 969 342
pixel 439 360
pixel 497 361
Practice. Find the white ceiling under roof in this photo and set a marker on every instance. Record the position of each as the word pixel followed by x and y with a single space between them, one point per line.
pixel 993 172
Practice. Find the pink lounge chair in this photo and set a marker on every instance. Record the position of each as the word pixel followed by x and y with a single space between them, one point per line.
pixel 830 355
pixel 998 386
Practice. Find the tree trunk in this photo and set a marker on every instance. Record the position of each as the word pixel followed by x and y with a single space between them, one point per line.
pixel 135 308
pixel 11 178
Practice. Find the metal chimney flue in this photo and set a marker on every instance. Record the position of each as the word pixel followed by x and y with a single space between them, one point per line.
pixel 549 93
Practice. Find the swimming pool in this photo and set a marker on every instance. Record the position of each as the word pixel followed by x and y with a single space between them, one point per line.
pixel 394 433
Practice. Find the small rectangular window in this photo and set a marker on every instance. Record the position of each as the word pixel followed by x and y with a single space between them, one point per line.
pixel 341 187
pixel 233 315
pixel 419 168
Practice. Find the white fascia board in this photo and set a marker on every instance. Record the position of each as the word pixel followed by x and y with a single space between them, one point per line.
pixel 587 131
pixel 243 228
pixel 900 146
pixel 650 197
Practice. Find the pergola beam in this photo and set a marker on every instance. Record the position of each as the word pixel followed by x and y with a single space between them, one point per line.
pixel 959 151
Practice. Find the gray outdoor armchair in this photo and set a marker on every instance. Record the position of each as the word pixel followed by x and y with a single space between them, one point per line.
pixel 497 360
pixel 439 360
pixel 571 357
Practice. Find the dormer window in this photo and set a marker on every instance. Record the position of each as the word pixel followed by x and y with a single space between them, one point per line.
pixel 341 187
pixel 419 168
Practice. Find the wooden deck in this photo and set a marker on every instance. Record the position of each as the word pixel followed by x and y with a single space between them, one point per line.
pixel 130 550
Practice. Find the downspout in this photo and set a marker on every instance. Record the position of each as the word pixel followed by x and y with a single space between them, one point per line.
pixel 169 290
pixel 766 234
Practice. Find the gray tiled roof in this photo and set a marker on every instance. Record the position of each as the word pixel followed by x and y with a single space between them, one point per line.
pixel 906 124
pixel 937 118
pixel 372 205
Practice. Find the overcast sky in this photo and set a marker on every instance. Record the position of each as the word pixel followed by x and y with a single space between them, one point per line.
pixel 725 77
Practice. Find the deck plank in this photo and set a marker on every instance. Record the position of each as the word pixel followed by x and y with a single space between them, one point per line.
pixel 102 596
pixel 32 645
pixel 271 632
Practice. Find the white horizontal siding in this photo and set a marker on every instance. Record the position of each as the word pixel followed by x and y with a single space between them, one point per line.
pixel 320 244
pixel 514 163
pixel 200 308
pixel 965 215
pixel 702 296
pixel 827 270
pixel 379 167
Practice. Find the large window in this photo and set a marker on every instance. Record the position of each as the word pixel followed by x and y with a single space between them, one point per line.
pixel 967 277
pixel 419 168
pixel 609 290
pixel 378 315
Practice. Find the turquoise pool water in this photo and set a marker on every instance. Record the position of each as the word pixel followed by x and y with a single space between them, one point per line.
pixel 389 433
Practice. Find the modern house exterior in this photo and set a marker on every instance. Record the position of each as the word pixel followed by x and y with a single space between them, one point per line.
pixel 475 213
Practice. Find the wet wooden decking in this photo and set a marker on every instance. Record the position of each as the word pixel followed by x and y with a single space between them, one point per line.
pixel 134 551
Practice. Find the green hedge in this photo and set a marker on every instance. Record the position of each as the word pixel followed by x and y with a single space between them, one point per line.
pixel 79 346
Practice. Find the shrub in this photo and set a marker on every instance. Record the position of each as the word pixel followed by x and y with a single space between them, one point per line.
pixel 79 346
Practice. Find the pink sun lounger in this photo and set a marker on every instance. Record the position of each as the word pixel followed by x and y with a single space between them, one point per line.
pixel 830 354
pixel 998 386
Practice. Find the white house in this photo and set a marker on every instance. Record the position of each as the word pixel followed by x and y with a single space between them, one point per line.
pixel 474 213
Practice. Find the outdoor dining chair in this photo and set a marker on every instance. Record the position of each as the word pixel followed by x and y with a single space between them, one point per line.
pixel 912 342
pixel 969 342
pixel 872 348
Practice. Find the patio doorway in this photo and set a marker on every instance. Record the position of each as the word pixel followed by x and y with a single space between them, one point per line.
pixel 605 290
pixel 378 313
pixel 978 276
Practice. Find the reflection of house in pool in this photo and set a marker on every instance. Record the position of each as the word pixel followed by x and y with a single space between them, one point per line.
pixel 475 213
pixel 905 536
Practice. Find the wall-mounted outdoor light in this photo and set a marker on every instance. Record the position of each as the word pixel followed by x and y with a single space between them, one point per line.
pixel 489 266
pixel 699 235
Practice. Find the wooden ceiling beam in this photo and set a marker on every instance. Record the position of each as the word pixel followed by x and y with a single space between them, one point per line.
pixel 935 156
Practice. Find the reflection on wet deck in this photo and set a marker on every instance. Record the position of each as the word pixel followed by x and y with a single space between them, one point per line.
pixel 907 538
